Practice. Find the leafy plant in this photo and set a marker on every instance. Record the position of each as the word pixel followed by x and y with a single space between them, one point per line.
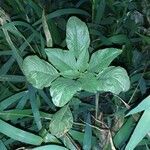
pixel 75 74
pixel 70 71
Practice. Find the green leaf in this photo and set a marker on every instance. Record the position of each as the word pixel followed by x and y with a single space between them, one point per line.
pixel 89 82
pixel 98 9
pixel 61 122
pixel 113 79
pixel 144 105
pixel 82 61
pixel 71 74
pixel 140 131
pixel 77 36
pixel 62 90
pixel 2 146
pixel 50 147
pixel 102 59
pixel 124 133
pixel 87 141
pixel 79 136
pixel 35 107
pixel 19 135
pixel 49 138
pixel 119 39
pixel 49 41
pixel 63 60
pixel 12 99
pixel 38 72
pixel 68 142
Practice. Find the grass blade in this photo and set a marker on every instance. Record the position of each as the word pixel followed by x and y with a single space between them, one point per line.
pixel 19 135
pixel 49 41
pixel 12 78
pixel 60 12
pixel 34 106
pixel 140 131
pixel 2 146
pixel 87 141
pixel 10 100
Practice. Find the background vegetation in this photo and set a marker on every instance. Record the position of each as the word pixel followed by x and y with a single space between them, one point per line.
pixel 123 24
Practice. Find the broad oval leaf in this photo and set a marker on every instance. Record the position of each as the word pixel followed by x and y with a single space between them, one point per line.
pixel 102 59
pixel 63 89
pixel 113 79
pixel 50 147
pixel 77 36
pixel 140 130
pixel 89 82
pixel 39 72
pixel 61 122
pixel 63 60
pixel 19 135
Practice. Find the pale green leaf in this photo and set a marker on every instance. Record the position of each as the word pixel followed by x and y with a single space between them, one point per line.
pixel 62 59
pixel 49 41
pixel 50 147
pixel 38 72
pixel 140 130
pixel 102 59
pixel 61 122
pixel 144 105
pixel 68 142
pixel 89 82
pixel 71 74
pixel 19 135
pixel 62 90
pixel 82 61
pixel 113 79
pixel 77 36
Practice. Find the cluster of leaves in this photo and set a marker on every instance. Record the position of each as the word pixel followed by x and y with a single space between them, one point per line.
pixel 76 72
pixel 78 79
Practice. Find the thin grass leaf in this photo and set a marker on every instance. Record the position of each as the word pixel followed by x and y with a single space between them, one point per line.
pixel 14 114
pixel 22 101
pixel 5 53
pixel 47 100
pixel 14 49
pixel 19 135
pixel 48 147
pixel 140 130
pixel 87 141
pixel 12 78
pixel 98 10
pixel 34 107
pixel 10 100
pixel 5 68
pixel 144 105
pixel 61 12
pixel 49 41
pixel 2 146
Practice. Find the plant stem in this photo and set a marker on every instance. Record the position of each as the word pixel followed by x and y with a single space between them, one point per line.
pixel 96 105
